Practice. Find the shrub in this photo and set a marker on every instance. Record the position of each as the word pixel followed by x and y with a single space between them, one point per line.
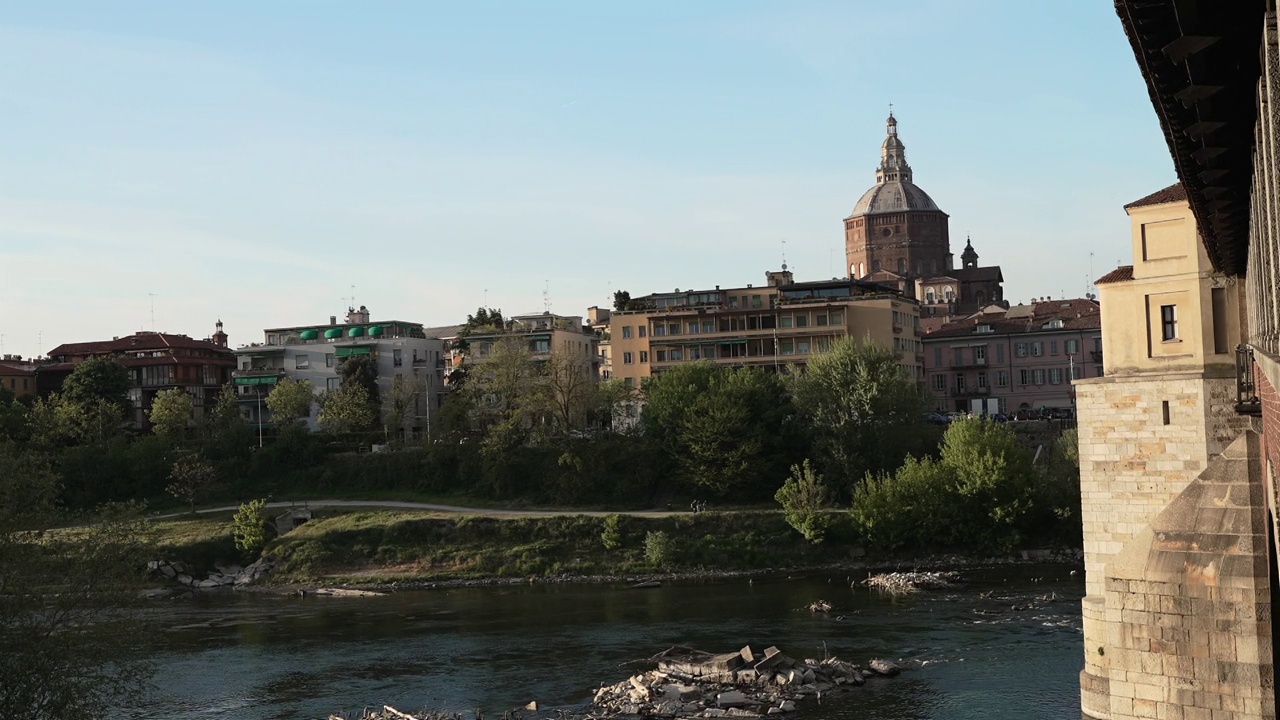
pixel 612 535
pixel 250 526
pixel 659 549
pixel 803 498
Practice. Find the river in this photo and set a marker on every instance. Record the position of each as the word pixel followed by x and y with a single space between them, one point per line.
pixel 1006 644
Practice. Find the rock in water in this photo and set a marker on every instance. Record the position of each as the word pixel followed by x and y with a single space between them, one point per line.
pixel 884 667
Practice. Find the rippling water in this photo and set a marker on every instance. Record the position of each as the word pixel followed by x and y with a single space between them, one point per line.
pixel 1006 645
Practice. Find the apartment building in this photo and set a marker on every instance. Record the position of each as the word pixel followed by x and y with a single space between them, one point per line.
pixel 17 377
pixel 778 324
pixel 314 352
pixel 1015 360
pixel 155 362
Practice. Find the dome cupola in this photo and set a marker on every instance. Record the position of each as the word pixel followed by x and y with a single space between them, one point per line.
pixel 894 191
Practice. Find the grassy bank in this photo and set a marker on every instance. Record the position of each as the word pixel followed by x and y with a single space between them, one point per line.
pixel 382 546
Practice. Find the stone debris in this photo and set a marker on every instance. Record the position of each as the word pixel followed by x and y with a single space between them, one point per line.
pixel 819 606
pixel 691 683
pixel 221 577
pixel 909 582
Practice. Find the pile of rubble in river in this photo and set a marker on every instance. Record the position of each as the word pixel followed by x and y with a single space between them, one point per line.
pixel 692 683
pixel 909 582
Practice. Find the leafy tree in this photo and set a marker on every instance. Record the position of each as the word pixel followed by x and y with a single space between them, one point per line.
pixel 250 526
pixel 56 422
pixel 74 644
pixel 191 475
pixel 483 319
pixel 171 413
pixel 571 389
pixel 225 420
pixel 362 370
pixel 979 494
pixel 401 403
pixel 861 409
pixel 508 392
pixel 803 498
pixel 98 379
pixel 611 536
pixel 621 300
pixel 346 409
pixel 290 401
pixel 727 430
pixel 659 549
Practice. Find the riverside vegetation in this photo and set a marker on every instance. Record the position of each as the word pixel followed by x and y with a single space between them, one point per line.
pixel 842 447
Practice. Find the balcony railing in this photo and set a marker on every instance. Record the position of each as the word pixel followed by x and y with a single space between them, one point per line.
pixel 1247 402
pixel 970 391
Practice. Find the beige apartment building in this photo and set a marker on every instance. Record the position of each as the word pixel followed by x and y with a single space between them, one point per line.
pixel 775 325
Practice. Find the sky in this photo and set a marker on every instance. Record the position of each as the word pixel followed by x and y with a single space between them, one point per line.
pixel 166 165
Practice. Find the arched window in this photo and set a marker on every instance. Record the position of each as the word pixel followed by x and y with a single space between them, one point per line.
pixel 853 271
pixel 982 297
pixel 928 296
pixel 902 266
pixel 875 266
pixel 948 293
pixel 862 269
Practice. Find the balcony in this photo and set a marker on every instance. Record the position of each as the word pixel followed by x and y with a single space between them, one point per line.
pixel 1247 402
pixel 979 363
pixel 965 392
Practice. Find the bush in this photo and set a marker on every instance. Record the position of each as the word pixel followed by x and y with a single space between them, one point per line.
pixel 659 549
pixel 250 526
pixel 803 498
pixel 612 535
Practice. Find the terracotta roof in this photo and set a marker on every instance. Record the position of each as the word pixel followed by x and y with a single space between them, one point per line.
pixel 1075 314
pixel 1174 193
pixel 10 369
pixel 138 341
pixel 1120 274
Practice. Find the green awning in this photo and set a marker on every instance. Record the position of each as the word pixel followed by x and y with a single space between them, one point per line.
pixel 355 332
pixel 375 331
pixel 257 380
pixel 309 334
pixel 332 333
pixel 349 351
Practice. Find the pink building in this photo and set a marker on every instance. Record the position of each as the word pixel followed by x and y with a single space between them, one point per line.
pixel 1023 358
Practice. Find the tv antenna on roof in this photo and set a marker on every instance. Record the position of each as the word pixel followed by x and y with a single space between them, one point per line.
pixel 546 295
pixel 153 310
pixel 784 255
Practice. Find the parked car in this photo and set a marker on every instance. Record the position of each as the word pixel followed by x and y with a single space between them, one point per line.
pixel 936 419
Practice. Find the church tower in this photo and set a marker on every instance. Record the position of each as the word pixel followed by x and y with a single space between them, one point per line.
pixel 896 232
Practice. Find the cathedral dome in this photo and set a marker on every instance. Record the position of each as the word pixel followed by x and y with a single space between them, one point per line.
pixel 893 191
pixel 893 196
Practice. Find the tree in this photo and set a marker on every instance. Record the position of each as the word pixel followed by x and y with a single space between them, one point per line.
pixel 225 420
pixel 190 476
pixel 726 429
pixel 98 378
pixel 509 393
pixel 171 413
pixel 621 300
pixel 56 422
pixel 362 370
pixel 483 319
pixel 70 626
pixel 571 386
pixel 803 498
pixel 346 409
pixel 250 526
pixel 401 403
pixel 863 412
pixel 290 401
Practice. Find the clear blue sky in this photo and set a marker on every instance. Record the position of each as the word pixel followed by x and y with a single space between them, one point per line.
pixel 251 161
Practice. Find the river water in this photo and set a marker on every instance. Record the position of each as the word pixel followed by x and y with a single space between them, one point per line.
pixel 1006 644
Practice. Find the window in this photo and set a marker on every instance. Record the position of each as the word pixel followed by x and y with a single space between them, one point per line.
pixel 644 356
pixel 397 357
pixel 787 321
pixel 928 296
pixel 330 360
pixel 1000 353
pixel 755 301
pixel 982 380
pixel 1218 302
pixel 1024 377
pixel 628 358
pixel 661 355
pixel 802 321
pixel 983 329
pixel 733 303
pixel 626 332
pixel 1077 372
pixel 959 360
pixel 1019 349
pixel 820 319
pixel 959 382
pixel 980 355
pixel 939 382
pixel 937 357
pixel 1037 349
pixel 541 346
pixel 1072 346
pixel 332 383
pixel 693 328
pixel 1053 347
pixel 1037 377
pixel 301 361
pixel 673 329
pixel 643 330
pixel 802 347
pixel 659 329
pixel 788 347
pixel 837 317
pixel 708 326
pixel 1002 378
pixel 676 355
pixel 1168 322
pixel 1055 376
pixel 629 383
